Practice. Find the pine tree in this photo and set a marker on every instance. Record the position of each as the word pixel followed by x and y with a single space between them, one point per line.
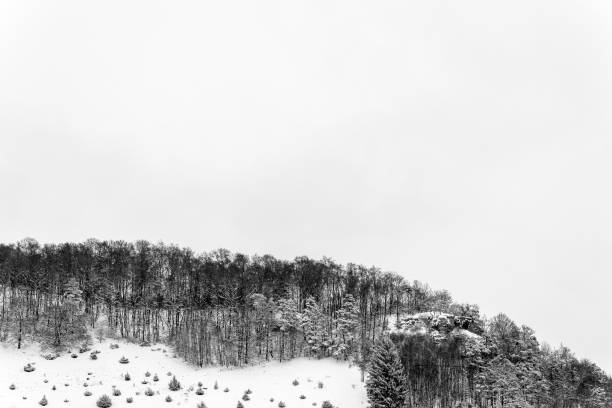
pixel 386 385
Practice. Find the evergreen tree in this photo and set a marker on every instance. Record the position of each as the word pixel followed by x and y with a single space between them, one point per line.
pixel 386 385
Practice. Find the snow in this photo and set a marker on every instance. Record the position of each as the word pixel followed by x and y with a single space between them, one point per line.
pixel 341 382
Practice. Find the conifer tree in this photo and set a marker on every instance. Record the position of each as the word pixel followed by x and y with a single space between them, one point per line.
pixel 386 384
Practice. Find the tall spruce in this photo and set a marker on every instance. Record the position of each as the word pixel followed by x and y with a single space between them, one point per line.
pixel 386 384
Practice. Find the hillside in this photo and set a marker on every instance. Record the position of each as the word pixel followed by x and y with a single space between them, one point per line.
pixel 220 309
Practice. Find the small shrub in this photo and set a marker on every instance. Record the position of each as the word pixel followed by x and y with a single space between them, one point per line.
pixel 28 368
pixel 199 391
pixel 124 360
pixel 129 400
pixel 73 355
pixel 66 400
pixel 144 382
pixel 281 405
pixel 320 384
pixel 116 392
pixel 168 398
pixel 155 378
pixel 104 401
pixel 53 388
pixel 114 346
pixel 302 396
pixel 201 405
pixel 85 385
pixel 248 391
pixel 295 382
pixel 216 386
pixel 200 383
pixel 93 356
pixel 226 389
pixel 45 381
pixel 43 401
pixel 87 393
pixel 327 404
pixel 147 374
pixel 271 399
pixel 127 377
pixel 66 384
pixel 149 392
pixel 12 387
pixel 246 397
pixel 239 405
pixel 174 385
pixel 168 373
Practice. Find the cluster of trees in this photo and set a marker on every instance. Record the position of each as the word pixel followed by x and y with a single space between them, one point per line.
pixel 503 366
pixel 231 309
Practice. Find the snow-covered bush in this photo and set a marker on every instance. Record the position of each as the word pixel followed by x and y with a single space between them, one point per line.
pixel 129 400
pixel 239 405
pixel 93 356
pixel 201 405
pixel 246 397
pixel 320 384
pixel 12 387
pixel 28 368
pixel 73 355
pixel 174 385
pixel 295 382
pixel 114 346
pixel 302 396
pixel 127 377
pixel 168 398
pixel 155 378
pixel 43 401
pixel 199 391
pixel 87 393
pixel 226 389
pixel 327 404
pixel 248 391
pixel 147 374
pixel 216 386
pixel 281 404
pixel 104 401
pixel 116 392
pixel 123 360
pixel 149 392
pixel 53 388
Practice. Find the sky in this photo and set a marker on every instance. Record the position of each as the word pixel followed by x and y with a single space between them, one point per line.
pixel 463 144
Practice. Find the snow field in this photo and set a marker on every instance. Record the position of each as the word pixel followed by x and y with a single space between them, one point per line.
pixel 341 383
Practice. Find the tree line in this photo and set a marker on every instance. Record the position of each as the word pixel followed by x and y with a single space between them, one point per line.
pixel 232 309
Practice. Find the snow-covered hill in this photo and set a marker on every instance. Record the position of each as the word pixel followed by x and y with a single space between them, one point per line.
pixel 314 380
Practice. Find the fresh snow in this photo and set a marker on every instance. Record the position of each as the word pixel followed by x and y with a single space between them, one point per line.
pixel 341 382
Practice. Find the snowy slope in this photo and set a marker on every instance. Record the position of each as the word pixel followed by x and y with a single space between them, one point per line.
pixel 341 383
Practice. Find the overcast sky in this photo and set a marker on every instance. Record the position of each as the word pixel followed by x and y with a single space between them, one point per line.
pixel 466 144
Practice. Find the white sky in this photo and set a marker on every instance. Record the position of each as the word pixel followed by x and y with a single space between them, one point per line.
pixel 465 144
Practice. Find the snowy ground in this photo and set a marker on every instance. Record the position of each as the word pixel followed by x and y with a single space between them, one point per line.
pixel 341 383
